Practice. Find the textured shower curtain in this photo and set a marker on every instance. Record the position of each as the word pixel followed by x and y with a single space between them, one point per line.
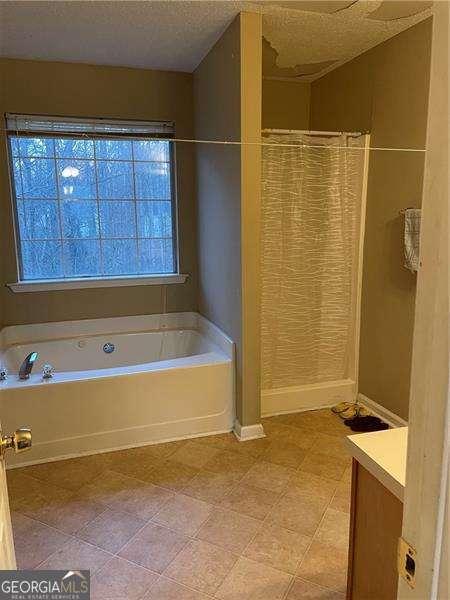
pixel 310 234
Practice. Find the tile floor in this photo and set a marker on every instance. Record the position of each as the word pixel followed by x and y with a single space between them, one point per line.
pixel 206 518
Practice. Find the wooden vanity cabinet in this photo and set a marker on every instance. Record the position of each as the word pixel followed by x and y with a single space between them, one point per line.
pixel 375 526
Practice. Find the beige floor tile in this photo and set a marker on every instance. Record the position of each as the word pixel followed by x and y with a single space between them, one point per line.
pixel 278 547
pixel 342 497
pixel 21 486
pixel 331 424
pixel 194 455
pixel 201 566
pixel 21 524
pixel 221 441
pixel 110 479
pixel 163 451
pixel 141 499
pixel 252 581
pixel 335 427
pixel 59 507
pixel 334 529
pixel 154 547
pixel 285 454
pixel 228 441
pixel 272 427
pixel 229 530
pixel 319 421
pixel 105 487
pixel 68 513
pixel 347 476
pixel 165 589
pixel 144 503
pixel 303 438
pixel 323 465
pixel 254 448
pixel 274 419
pixel 313 484
pixel 269 476
pixel 305 420
pixel 139 453
pixel 69 474
pixel 341 504
pixel 29 499
pixel 325 565
pixel 34 542
pixel 234 463
pixel 13 475
pixel 330 445
pixel 172 475
pixel 210 487
pixel 120 580
pixel 184 514
pixel 78 555
pixel 299 512
pixel 132 463
pixel 304 590
pixel 111 530
pixel 150 453
pixel 251 501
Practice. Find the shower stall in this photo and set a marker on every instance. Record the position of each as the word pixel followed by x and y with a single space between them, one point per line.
pixel 313 210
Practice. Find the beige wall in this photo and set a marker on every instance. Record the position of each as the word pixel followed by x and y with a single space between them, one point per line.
pixel 217 94
pixel 251 107
pixel 384 91
pixel 222 84
pixel 97 91
pixel 217 110
pixel 285 104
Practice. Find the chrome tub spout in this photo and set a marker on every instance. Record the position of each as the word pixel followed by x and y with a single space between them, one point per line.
pixel 27 365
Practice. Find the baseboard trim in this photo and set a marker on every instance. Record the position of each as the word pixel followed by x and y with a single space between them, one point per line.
pixel 380 411
pixel 245 433
pixel 306 397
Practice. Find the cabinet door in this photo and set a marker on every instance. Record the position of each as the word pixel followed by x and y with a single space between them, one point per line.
pixel 376 525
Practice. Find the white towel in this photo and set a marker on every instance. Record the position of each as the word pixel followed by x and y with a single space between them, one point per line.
pixel 412 237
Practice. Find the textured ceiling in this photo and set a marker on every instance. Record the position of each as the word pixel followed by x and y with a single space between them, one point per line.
pixel 161 35
pixel 303 38
pixel 298 71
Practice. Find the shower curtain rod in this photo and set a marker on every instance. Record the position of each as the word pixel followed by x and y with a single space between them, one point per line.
pixel 307 132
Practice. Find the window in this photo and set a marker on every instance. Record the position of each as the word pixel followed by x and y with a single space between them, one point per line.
pixel 93 199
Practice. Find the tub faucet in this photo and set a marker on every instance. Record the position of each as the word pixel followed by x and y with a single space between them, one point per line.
pixel 27 365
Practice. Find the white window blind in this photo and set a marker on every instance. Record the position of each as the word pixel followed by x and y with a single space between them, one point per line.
pixel 64 125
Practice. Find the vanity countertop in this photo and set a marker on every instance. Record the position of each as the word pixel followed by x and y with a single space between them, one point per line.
pixel 383 454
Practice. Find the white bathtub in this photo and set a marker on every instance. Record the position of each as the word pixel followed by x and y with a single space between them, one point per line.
pixel 168 377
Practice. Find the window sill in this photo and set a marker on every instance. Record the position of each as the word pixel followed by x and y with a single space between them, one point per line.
pixel 106 282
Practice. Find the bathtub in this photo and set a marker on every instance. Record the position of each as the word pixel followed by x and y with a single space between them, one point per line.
pixel 117 383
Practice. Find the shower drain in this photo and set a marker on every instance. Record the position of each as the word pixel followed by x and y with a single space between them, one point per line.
pixel 108 348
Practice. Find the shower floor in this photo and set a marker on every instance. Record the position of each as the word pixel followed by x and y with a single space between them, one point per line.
pixel 207 518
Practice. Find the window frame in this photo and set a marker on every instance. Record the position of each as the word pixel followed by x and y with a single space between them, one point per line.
pixel 26 285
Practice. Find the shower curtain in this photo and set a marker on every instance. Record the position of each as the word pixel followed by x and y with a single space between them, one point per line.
pixel 310 233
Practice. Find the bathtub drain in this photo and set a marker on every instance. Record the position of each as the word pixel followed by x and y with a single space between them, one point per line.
pixel 108 348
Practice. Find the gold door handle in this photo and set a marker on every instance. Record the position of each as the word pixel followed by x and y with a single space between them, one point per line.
pixel 19 441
